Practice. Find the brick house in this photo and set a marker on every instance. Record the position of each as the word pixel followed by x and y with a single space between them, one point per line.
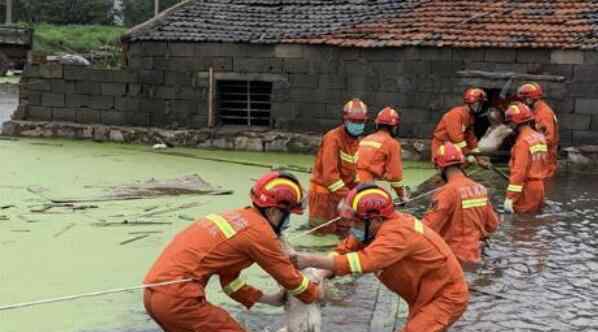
pixel 290 65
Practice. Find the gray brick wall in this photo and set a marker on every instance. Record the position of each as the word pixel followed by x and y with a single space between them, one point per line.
pixel 166 85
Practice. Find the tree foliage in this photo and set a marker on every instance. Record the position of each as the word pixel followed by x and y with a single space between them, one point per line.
pixel 138 11
pixel 96 12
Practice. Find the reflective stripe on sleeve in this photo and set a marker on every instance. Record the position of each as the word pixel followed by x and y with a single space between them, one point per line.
pixel 301 288
pixel 234 286
pixel 461 144
pixel 474 202
pixel 348 158
pixel 372 144
pixel 538 148
pixel 418 226
pixel 222 224
pixel 354 263
pixel 396 184
pixel 515 188
pixel 336 186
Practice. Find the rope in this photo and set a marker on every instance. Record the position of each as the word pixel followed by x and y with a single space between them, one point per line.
pixel 128 289
pixel 91 294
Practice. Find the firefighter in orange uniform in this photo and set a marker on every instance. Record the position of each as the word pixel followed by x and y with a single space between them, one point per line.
pixel 461 212
pixel 407 257
pixel 334 172
pixel 225 244
pixel 456 126
pixel 546 122
pixel 379 154
pixel 528 165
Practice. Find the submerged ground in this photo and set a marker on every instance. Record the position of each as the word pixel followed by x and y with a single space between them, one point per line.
pixel 539 274
pixel 61 252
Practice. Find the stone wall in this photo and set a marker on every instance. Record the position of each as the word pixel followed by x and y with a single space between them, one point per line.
pixel 225 138
pixel 166 84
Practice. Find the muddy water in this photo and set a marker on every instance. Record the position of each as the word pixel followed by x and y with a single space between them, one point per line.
pixel 544 268
pixel 63 252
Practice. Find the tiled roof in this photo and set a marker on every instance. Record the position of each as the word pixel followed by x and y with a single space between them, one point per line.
pixel 379 23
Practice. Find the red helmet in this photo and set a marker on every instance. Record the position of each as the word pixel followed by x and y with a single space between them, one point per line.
pixel 518 113
pixel 388 116
pixel 474 95
pixel 531 90
pixel 365 201
pixel 278 189
pixel 447 155
pixel 355 111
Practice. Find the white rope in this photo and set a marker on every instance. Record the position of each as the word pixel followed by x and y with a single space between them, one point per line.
pixel 91 294
pixel 122 290
pixel 417 197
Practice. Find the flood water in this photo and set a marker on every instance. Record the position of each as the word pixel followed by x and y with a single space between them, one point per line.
pixel 540 273
pixel 544 267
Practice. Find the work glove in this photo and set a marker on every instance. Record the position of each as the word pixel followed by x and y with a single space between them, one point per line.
pixel 276 299
pixel 484 162
pixel 402 193
pixel 508 206
pixel 471 159
pixel 299 261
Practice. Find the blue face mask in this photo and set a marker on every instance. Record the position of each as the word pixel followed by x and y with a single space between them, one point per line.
pixel 358 233
pixel 355 129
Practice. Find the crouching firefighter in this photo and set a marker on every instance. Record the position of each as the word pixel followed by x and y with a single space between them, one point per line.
pixel 461 212
pixel 407 257
pixel 223 245
pixel 334 172
pixel 529 164
pixel 457 126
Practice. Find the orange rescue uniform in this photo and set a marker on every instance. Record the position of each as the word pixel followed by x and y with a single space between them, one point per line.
pixel 414 262
pixel 220 245
pixel 462 214
pixel 547 124
pixel 379 157
pixel 528 167
pixel 456 126
pixel 332 177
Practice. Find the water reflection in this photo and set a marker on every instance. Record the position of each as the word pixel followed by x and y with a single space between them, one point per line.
pixel 544 267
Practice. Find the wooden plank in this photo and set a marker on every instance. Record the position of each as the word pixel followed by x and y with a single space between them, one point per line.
pixel 509 75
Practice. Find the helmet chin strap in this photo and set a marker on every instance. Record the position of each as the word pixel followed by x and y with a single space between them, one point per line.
pixel 443 175
pixel 278 229
pixel 367 231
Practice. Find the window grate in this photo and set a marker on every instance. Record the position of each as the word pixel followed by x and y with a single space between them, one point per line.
pixel 244 103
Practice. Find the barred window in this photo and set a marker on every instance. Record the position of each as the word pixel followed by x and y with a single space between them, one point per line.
pixel 244 103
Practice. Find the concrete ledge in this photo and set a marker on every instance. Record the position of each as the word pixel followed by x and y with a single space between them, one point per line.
pixel 239 139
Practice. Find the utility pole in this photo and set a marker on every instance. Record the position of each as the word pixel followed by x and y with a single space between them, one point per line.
pixel 9 12
pixel 156 7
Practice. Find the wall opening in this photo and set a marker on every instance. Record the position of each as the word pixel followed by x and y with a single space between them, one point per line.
pixel 495 102
pixel 244 103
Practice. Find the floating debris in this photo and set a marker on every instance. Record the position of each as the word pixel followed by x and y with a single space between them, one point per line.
pixel 127 223
pixel 137 238
pixel 146 232
pixel 64 230
pixel 185 185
